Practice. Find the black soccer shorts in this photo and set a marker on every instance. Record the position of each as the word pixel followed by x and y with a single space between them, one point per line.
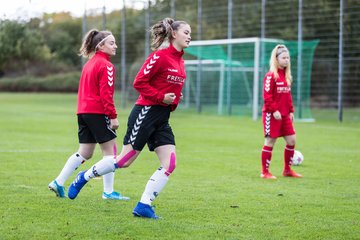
pixel 149 125
pixel 94 128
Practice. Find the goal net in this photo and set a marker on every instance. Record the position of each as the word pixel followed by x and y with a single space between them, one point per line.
pixel 225 76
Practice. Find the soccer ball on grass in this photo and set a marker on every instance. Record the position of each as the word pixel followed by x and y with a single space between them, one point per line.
pixel 297 159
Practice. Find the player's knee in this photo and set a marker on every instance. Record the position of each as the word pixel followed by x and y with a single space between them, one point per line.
pixel 269 141
pixel 86 156
pixel 291 142
pixel 78 159
pixel 172 164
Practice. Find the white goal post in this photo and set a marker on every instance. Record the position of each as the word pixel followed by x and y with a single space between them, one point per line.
pixel 256 69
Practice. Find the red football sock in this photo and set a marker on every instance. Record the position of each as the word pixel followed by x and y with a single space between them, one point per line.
pixel 266 158
pixel 288 154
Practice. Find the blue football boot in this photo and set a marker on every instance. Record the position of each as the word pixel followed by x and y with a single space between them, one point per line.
pixel 144 210
pixel 77 185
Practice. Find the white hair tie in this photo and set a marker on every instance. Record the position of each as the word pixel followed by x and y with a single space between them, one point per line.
pixel 102 40
pixel 281 51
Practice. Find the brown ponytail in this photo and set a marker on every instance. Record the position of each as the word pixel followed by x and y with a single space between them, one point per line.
pixel 91 40
pixel 161 32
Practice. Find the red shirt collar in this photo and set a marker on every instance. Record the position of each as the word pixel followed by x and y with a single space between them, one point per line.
pixel 102 54
pixel 174 51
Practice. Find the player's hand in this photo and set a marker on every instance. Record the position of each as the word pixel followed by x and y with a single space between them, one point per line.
pixel 292 116
pixel 181 96
pixel 277 115
pixel 169 98
pixel 114 124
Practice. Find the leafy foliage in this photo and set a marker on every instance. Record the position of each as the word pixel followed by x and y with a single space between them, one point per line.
pixel 63 37
pixel 20 45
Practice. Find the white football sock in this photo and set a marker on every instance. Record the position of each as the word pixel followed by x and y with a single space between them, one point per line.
pixel 73 162
pixel 102 167
pixel 108 180
pixel 154 186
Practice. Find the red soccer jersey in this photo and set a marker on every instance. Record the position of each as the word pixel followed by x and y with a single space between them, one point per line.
pixel 162 72
pixel 277 94
pixel 96 87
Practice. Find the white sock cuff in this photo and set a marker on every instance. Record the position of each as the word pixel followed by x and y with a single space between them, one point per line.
pixel 161 172
pixel 77 154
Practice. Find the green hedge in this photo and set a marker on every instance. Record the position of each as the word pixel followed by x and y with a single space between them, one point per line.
pixel 67 82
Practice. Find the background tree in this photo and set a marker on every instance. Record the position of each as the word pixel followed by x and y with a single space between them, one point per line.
pixel 20 46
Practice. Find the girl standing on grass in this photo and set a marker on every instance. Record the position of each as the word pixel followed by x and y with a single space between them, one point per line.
pixel 159 83
pixel 96 113
pixel 278 112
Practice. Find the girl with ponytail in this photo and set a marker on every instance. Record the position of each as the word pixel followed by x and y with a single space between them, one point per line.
pixel 96 112
pixel 159 83
pixel 278 112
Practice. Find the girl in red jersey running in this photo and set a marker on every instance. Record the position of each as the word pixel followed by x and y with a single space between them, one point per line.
pixel 97 117
pixel 159 83
pixel 278 111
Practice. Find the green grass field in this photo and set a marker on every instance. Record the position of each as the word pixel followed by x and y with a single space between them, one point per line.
pixel 214 193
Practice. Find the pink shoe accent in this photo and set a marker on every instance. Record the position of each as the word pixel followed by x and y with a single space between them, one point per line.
pixel 125 159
